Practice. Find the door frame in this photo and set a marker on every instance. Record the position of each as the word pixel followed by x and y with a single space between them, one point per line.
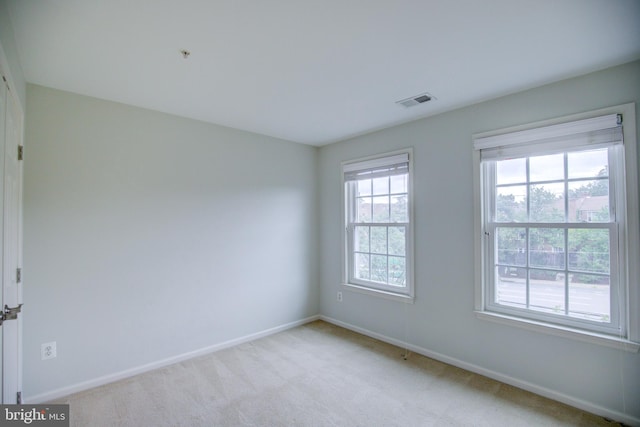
pixel 19 124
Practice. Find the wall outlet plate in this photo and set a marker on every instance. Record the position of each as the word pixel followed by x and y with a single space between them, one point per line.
pixel 48 350
pixel 339 296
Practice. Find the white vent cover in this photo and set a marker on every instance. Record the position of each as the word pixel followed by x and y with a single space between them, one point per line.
pixel 416 100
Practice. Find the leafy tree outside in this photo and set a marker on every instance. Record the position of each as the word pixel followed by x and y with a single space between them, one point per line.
pixel 588 249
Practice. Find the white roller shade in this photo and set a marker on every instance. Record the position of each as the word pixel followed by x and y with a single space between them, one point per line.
pixel 384 166
pixel 589 133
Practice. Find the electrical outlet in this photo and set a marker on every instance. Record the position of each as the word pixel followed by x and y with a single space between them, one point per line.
pixel 48 350
pixel 339 296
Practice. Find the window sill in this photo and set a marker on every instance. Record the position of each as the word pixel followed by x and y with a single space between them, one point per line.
pixel 590 337
pixel 378 293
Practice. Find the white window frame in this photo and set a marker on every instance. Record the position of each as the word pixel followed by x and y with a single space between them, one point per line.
pixel 349 282
pixel 626 239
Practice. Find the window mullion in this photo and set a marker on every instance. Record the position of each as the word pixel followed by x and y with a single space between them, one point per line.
pixel 566 271
pixel 566 188
pixel 613 168
pixel 490 244
pixel 528 190
pixel 527 237
pixel 350 251
pixel 388 207
pixel 527 264
pixel 369 253
pixel 566 234
pixel 489 189
pixel 350 229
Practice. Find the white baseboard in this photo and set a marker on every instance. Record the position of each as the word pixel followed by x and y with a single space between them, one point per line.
pixel 85 385
pixel 525 385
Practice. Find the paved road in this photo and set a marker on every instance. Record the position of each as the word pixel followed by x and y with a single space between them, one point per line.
pixel 547 295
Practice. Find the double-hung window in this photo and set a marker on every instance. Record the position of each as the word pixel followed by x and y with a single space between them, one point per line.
pixel 554 220
pixel 378 232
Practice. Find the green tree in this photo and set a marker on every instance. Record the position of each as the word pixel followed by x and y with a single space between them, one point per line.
pixel 509 210
pixel 543 205
pixel 597 187
pixel 589 252
pixel 511 246
pixel 588 249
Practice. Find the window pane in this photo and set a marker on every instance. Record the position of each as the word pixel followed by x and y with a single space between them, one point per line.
pixel 546 168
pixel 381 185
pixel 547 203
pixel 589 250
pixel 379 268
pixel 364 187
pixel 511 204
pixel 379 240
pixel 512 171
pixel 362 239
pixel 588 164
pixel 381 209
pixel 546 247
pixel 397 242
pixel 362 266
pixel 511 246
pixel 511 289
pixel 589 201
pixel 399 184
pixel 545 292
pixel 399 211
pixel 397 270
pixel 364 209
pixel 589 297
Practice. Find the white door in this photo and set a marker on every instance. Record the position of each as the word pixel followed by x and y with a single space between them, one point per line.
pixel 11 249
pixel 3 113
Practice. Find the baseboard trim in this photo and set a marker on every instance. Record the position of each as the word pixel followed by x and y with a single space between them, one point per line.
pixel 106 379
pixel 525 385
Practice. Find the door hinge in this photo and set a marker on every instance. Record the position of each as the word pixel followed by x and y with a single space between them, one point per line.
pixel 19 398
pixel 20 152
pixel 18 275
pixel 10 313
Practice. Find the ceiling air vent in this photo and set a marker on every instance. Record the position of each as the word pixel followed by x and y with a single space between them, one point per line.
pixel 416 100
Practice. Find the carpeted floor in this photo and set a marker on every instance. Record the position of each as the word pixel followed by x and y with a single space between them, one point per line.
pixel 316 375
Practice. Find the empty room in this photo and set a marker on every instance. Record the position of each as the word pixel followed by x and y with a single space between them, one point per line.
pixel 320 213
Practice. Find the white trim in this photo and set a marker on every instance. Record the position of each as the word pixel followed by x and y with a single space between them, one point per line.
pixel 478 237
pixel 106 379
pixel 378 293
pixel 13 97
pixel 561 331
pixel 525 385
pixel 631 245
pixel 6 71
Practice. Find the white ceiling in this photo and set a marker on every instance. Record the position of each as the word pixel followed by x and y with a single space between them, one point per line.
pixel 316 71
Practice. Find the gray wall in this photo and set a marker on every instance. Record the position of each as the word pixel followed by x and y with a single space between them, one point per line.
pixel 148 236
pixel 442 318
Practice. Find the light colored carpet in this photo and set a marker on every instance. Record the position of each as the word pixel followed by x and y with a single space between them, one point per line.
pixel 316 375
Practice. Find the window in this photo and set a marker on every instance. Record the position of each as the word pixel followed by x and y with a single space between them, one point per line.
pixel 556 222
pixel 378 232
